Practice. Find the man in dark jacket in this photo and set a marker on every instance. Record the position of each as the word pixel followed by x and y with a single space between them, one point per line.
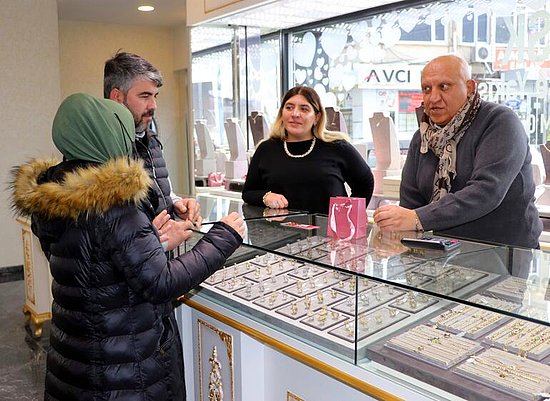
pixel 133 81
pixel 113 334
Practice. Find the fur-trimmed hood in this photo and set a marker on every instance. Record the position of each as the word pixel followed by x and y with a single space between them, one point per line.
pixel 91 189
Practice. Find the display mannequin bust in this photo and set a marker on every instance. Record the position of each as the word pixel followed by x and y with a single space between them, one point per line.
pixel 335 120
pixel 386 149
pixel 237 165
pixel 258 126
pixel 545 152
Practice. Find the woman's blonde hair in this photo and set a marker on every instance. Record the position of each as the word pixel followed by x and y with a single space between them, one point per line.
pixel 319 131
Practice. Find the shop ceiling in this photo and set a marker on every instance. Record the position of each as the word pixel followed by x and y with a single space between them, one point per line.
pixel 269 17
pixel 279 14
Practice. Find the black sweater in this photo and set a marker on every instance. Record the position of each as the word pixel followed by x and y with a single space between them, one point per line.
pixel 308 182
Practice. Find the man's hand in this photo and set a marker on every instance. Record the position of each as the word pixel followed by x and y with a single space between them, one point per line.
pixel 395 218
pixel 172 233
pixel 188 209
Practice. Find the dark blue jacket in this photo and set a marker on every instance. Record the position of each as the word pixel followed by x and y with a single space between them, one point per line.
pixel 113 333
pixel 149 149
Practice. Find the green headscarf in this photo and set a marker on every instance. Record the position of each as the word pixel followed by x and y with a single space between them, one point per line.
pixel 92 129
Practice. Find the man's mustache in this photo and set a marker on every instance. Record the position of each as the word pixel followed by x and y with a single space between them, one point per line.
pixel 149 113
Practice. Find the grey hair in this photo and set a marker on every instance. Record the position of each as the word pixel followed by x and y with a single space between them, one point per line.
pixel 124 68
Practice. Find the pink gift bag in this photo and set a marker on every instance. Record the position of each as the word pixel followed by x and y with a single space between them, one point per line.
pixel 347 218
pixel 216 179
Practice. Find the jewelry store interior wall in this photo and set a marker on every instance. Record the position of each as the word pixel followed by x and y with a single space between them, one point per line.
pixel 30 82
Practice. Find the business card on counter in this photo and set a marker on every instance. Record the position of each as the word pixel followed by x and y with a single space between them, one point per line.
pixel 300 225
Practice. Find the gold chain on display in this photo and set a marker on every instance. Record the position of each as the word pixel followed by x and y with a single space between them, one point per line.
pixel 525 337
pixel 508 370
pixel 432 344
pixel 467 319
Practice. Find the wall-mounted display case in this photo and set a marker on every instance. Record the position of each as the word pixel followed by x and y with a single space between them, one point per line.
pixel 473 322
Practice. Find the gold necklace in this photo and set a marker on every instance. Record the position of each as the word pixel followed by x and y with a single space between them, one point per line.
pixel 302 155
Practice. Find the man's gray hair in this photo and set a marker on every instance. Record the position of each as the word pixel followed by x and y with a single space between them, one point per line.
pixel 124 68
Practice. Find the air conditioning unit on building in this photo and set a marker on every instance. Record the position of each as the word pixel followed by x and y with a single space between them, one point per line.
pixel 483 53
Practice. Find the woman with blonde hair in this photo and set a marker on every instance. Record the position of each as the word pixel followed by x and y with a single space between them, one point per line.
pixel 302 164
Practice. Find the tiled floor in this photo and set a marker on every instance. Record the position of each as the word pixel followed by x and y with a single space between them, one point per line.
pixel 22 358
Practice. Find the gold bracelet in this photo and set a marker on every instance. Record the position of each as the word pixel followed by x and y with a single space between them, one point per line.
pixel 264 198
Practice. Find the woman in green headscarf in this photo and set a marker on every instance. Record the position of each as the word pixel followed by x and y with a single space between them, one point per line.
pixel 92 129
pixel 113 333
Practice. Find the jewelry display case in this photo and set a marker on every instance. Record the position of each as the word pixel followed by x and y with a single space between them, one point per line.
pixel 473 322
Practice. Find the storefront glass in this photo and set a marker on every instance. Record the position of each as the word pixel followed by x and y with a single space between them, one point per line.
pixel 368 62
pixel 234 79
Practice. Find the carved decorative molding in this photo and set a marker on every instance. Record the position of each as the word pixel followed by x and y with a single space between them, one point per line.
pixel 28 267
pixel 293 397
pixel 218 371
pixel 215 382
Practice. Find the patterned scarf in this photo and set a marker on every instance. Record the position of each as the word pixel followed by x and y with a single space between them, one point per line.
pixel 443 142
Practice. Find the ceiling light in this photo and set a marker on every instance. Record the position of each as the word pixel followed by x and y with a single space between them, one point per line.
pixel 146 8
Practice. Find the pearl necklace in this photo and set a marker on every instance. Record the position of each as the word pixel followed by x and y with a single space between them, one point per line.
pixel 302 155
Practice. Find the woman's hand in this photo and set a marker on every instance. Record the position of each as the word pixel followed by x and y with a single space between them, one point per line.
pixel 275 201
pixel 235 221
pixel 173 233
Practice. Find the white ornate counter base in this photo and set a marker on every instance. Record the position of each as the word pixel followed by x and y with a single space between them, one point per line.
pixel 38 281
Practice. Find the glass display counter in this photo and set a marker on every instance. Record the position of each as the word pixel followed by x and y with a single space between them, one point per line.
pixel 473 322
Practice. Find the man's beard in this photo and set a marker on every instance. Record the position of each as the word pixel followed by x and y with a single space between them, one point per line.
pixel 141 126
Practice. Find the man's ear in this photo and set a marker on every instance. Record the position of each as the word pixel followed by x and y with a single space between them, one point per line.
pixel 116 95
pixel 471 85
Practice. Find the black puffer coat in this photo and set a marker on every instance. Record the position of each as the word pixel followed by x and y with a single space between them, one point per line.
pixel 149 149
pixel 113 333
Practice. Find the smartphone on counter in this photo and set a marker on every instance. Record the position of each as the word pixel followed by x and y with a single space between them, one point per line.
pixel 425 242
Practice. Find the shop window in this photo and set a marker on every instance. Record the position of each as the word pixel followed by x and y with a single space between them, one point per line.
pixel 468 27
pixel 482 28
pixel 372 64
pixel 420 33
pixel 502 31
pixel 475 28
pixel 439 30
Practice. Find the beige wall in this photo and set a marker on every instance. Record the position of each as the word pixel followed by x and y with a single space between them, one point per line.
pixel 83 49
pixel 30 88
